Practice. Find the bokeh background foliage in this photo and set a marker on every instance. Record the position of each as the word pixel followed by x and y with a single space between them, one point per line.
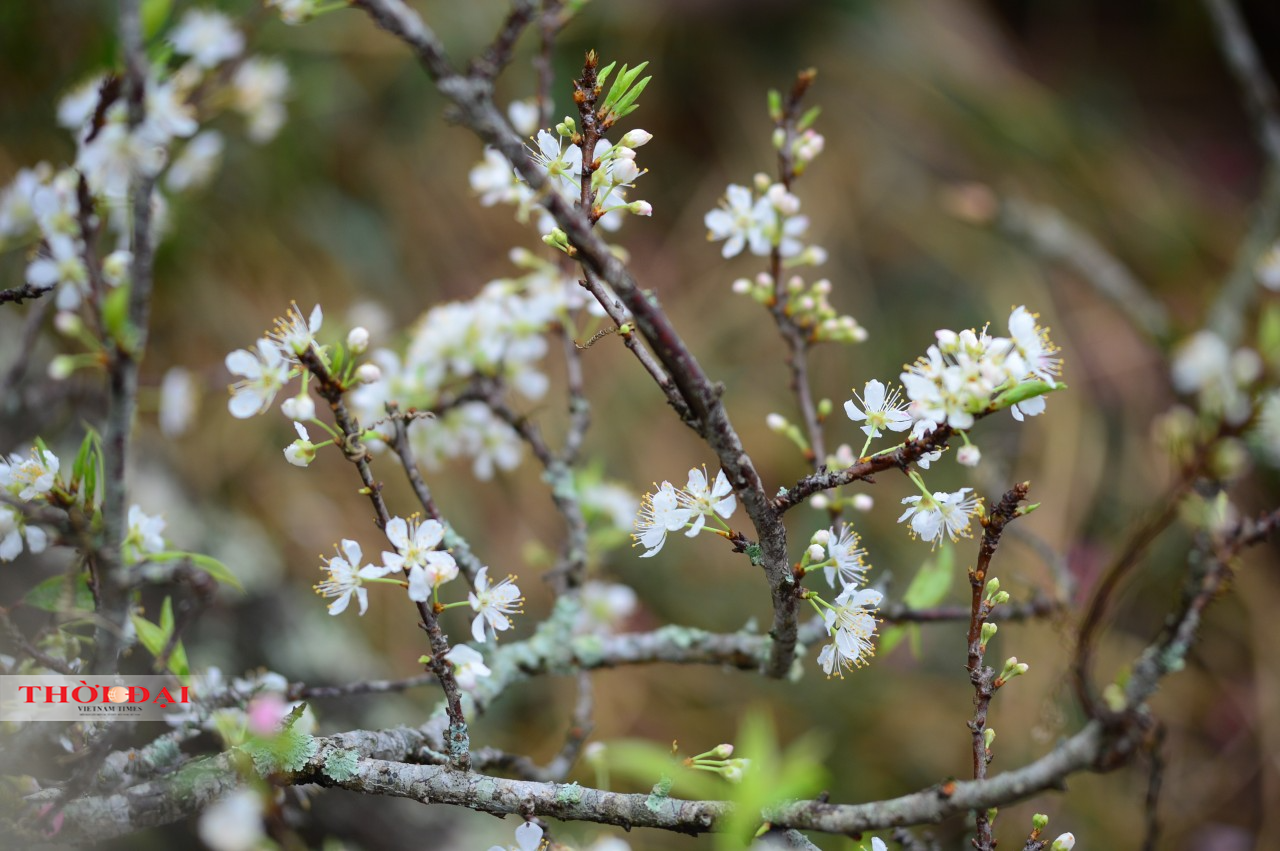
pixel 1119 115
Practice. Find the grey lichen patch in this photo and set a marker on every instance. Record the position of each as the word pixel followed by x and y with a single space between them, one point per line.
pixel 571 794
pixel 756 554
pixel 340 764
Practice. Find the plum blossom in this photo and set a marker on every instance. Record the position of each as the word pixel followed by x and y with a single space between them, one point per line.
pixel 259 87
pixel 492 604
pixel 932 515
pixel 848 560
pixel 263 372
pixel 347 576
pixel 144 534
pixel 851 624
pixel 660 512
pixel 880 410
pixel 415 541
pixel 13 531
pixel 739 221
pixel 208 37
pixel 528 838
pixel 468 666
pixel 32 477
pixel 233 822
pixel 707 499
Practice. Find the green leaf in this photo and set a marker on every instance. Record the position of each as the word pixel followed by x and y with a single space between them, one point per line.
pixel 53 594
pixel 150 635
pixel 115 316
pixel 627 104
pixel 1023 391
pixel 932 581
pixel 775 104
pixel 603 74
pixel 82 457
pixel 810 116
pixel 178 661
pixel 773 777
pixel 1269 335
pixel 154 14
pixel 166 617
pixel 208 564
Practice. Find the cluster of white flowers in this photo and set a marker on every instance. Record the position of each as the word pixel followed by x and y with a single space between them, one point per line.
pixel 557 154
pixel 850 621
pixel 500 334
pixel 42 205
pixel 29 479
pixel 670 508
pixel 851 625
pixel 761 221
pixel 1205 366
pixel 962 374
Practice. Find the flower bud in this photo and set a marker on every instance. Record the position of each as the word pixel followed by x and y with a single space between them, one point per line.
pixel 777 423
pixel 68 323
pixel 968 455
pixel 742 286
pixel 300 453
pixel 1000 599
pixel 779 138
pixel 816 553
pixel 762 182
pixel 61 367
pixel 825 407
pixel 1013 668
pixel 820 501
pixel 299 407
pixel 821 537
pixel 621 152
pixel 636 138
pixel 1039 821
pixel 734 768
pixel 721 751
pixel 1065 842
pixel 863 502
pixel 990 589
pixel 557 239
pixel 813 255
pixel 368 373
pixel 988 632
pixel 116 266
pixel 988 736
pixel 624 171
pixel 358 340
pixel 640 208
pixel 567 127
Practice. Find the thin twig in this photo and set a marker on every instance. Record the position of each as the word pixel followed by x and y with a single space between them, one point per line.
pixel 18 295
pixel 332 391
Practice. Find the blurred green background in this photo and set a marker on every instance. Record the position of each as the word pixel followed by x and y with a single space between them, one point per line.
pixel 1122 116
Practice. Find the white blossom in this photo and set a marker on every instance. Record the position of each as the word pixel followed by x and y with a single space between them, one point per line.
pixel 14 530
pixel 660 512
pixel 302 451
pixel 195 166
pixel 178 401
pixel 932 516
pixel 208 37
pixel 233 822
pixel 259 87
pixel 528 838
pixel 849 560
pixel 346 577
pixel 31 477
pixel 468 666
pixel 880 410
pixel 416 542
pixel 706 499
pixel 851 624
pixel 143 535
pixel 264 371
pixel 492 604
pixel 295 335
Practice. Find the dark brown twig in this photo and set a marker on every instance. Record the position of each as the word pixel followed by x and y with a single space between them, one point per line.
pixel 458 741
pixel 984 678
